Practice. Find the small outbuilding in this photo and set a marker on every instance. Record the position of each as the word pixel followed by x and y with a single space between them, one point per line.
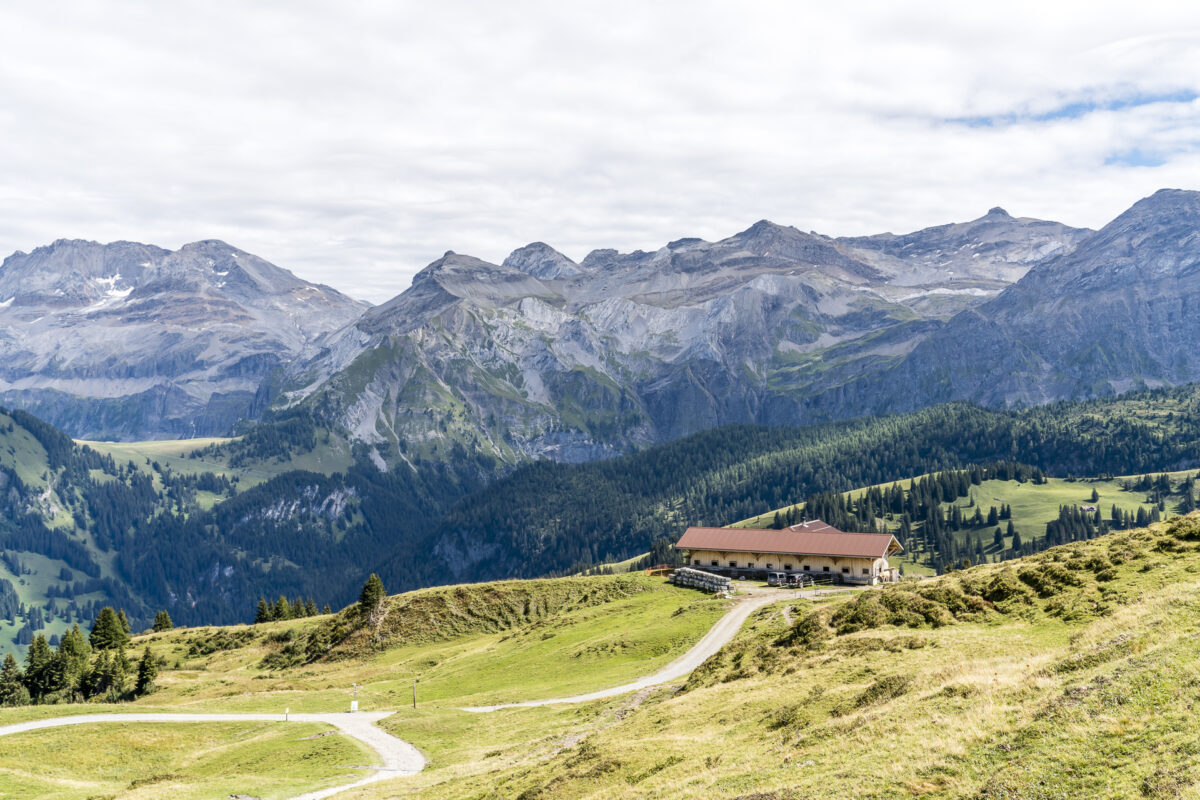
pixel 810 548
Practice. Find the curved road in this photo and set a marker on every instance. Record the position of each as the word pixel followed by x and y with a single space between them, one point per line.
pixel 401 758
pixel 716 638
pixel 398 756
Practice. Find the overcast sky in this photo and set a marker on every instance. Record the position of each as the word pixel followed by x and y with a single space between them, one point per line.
pixel 355 142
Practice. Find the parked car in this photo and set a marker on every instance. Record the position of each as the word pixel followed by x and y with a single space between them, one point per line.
pixel 776 579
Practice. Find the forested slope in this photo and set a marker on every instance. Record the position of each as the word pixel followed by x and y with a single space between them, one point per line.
pixel 550 517
pixel 205 537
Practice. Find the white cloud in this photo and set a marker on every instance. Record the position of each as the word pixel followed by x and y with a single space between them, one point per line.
pixel 355 142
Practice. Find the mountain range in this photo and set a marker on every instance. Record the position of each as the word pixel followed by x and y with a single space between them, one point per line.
pixel 542 356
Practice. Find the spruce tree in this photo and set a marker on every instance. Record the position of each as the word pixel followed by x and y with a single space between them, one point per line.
pixel 371 596
pixel 121 618
pixel 37 666
pixel 264 612
pixel 310 608
pixel 108 633
pixel 70 663
pixel 162 622
pixel 146 673
pixel 12 687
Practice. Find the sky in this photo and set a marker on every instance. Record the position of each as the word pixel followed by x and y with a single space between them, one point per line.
pixel 355 142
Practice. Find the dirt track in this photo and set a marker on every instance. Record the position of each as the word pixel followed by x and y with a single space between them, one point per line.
pixel 716 638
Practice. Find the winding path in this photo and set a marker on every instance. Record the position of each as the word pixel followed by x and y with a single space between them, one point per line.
pixel 716 638
pixel 398 756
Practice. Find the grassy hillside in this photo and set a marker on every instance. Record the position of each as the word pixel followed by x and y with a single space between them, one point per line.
pixel 1069 673
pixel 183 761
pixel 461 645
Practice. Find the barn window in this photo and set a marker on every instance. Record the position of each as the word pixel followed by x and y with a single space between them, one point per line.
pixel 715 564
pixel 826 569
pixel 749 564
pixel 807 568
pixel 845 570
pixel 733 563
pixel 866 571
pixel 769 566
pixel 787 566
pixel 695 562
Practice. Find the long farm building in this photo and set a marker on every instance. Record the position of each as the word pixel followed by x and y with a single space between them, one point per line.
pixel 810 548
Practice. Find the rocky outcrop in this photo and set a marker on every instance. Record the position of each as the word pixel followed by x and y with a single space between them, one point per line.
pixel 127 340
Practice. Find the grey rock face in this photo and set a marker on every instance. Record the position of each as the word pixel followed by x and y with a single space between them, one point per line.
pixel 540 356
pixel 1114 314
pixel 128 340
pixel 542 261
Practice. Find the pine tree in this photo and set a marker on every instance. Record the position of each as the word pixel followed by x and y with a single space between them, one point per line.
pixel 264 612
pixel 283 609
pixel 162 622
pixel 146 673
pixel 371 596
pixel 37 666
pixel 310 608
pixel 69 665
pixel 108 633
pixel 12 687
pixel 121 618
pixel 1095 496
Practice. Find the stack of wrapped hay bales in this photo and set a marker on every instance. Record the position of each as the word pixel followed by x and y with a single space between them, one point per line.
pixel 698 579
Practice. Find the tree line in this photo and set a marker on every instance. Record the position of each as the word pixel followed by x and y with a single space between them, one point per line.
pixel 82 668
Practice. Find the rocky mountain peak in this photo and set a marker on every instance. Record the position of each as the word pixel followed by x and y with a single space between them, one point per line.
pixel 997 211
pixel 541 261
pixel 128 340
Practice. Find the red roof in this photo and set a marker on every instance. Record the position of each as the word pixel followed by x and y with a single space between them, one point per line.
pixel 813 538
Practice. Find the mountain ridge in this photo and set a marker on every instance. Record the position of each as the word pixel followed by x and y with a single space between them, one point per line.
pixel 583 360
pixel 126 340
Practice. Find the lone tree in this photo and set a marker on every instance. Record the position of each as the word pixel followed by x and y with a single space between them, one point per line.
pixel 146 673
pixel 108 633
pixel 371 595
pixel 162 622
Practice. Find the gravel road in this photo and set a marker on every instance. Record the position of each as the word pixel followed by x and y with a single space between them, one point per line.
pixel 401 758
pixel 716 638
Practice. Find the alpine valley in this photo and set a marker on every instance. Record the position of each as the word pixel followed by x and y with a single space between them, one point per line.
pixel 543 415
